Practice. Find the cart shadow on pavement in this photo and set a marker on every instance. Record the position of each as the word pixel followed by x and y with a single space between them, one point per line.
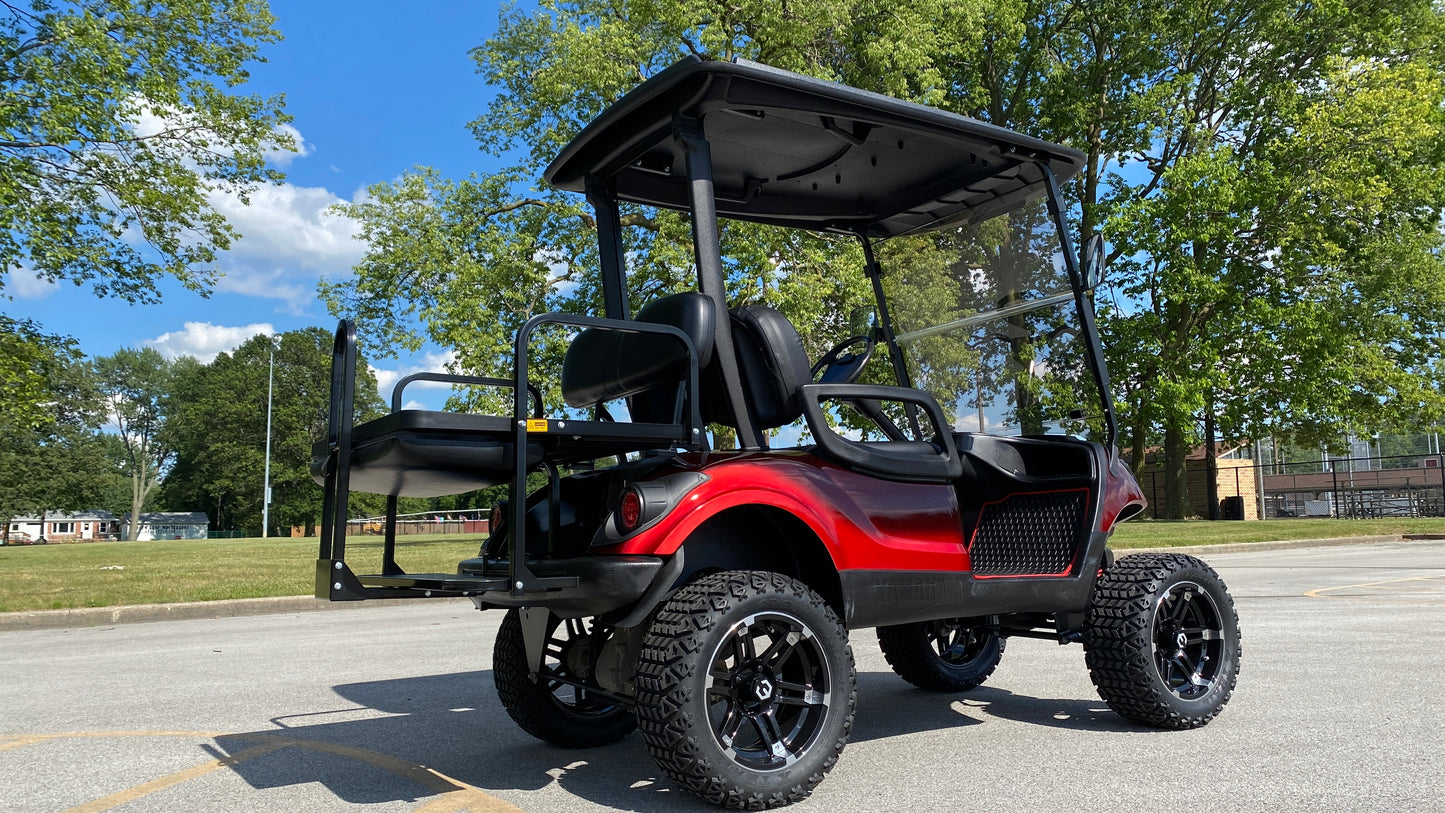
pixel 392 738
pixel 888 707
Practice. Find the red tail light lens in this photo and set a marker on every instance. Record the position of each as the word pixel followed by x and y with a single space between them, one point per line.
pixel 629 511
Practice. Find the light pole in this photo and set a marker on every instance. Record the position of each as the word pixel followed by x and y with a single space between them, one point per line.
pixel 266 496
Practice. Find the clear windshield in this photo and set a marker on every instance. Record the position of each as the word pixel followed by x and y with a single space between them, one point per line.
pixel 995 335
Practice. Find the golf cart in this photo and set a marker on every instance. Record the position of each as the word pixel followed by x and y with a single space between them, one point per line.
pixel 947 476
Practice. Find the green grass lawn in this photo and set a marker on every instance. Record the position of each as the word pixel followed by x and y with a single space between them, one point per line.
pixel 52 577
pixel 1144 533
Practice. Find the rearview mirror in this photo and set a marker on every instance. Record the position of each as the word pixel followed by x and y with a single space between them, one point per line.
pixel 1094 259
pixel 860 321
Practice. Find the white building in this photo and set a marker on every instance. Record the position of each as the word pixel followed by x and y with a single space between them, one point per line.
pixel 65 526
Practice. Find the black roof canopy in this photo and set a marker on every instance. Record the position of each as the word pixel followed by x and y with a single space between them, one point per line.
pixel 791 150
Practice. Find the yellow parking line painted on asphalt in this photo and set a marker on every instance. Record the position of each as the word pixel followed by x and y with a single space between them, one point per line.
pixel 19 742
pixel 452 795
pixel 147 788
pixel 1384 588
pixel 468 800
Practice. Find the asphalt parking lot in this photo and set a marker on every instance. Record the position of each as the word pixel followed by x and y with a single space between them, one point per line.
pixel 1340 707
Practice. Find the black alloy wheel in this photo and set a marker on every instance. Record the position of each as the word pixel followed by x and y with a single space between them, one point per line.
pixel 746 689
pixel 768 691
pixel 946 655
pixel 1188 640
pixel 563 706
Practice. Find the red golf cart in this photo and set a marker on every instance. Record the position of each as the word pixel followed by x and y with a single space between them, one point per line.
pixel 947 475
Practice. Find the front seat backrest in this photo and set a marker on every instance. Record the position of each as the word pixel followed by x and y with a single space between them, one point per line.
pixel 773 364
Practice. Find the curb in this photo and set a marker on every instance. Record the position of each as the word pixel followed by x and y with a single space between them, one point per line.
pixel 182 611
pixel 234 608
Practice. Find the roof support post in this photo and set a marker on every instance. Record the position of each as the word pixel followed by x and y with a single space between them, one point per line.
pixel 710 281
pixel 609 245
pixel 874 272
pixel 1084 300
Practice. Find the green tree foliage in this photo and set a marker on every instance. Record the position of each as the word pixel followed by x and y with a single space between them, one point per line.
pixel 464 263
pixel 1282 251
pixel 118 119
pixel 136 387
pixel 218 430
pixel 56 459
pixel 30 361
pixel 1267 172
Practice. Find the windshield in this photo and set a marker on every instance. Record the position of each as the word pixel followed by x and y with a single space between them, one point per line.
pixel 995 334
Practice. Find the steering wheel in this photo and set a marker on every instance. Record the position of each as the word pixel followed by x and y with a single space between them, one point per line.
pixel 839 366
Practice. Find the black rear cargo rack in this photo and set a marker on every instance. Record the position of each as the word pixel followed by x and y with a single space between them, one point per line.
pixel 432 453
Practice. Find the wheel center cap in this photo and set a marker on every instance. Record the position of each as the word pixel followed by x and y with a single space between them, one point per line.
pixel 1181 639
pixel 763 689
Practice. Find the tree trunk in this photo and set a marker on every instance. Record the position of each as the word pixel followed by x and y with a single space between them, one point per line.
pixel 1176 478
pixel 724 437
pixel 137 497
pixel 1211 457
pixel 1139 444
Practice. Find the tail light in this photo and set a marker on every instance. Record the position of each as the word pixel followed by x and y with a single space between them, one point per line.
pixel 629 511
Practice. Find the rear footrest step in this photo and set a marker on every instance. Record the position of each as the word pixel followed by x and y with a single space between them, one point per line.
pixel 458 584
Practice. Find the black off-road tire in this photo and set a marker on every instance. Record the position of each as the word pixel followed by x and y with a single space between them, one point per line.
pixel 746 689
pixel 1161 640
pixel 550 711
pixel 948 655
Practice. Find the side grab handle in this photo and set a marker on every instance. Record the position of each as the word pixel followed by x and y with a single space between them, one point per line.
pixel 935 460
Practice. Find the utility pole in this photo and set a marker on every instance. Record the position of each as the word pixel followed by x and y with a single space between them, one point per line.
pixel 266 496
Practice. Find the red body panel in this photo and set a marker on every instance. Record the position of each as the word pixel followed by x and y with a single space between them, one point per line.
pixel 1122 495
pixel 866 522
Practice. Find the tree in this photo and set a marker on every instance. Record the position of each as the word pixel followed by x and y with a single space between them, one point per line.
pixel 1268 173
pixel 119 119
pixel 30 362
pixel 136 386
pixel 218 429
pixel 449 257
pixel 56 459
pixel 1280 268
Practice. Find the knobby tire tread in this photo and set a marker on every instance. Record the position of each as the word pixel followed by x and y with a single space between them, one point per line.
pixel 670 653
pixel 911 656
pixel 1117 640
pixel 531 706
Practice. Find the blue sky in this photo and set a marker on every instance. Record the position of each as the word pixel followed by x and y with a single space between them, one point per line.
pixel 374 89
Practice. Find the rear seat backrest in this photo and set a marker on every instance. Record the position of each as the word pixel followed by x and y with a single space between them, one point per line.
pixel 604 365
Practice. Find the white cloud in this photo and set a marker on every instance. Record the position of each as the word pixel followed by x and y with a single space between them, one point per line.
pixel 431 363
pixel 289 239
pixel 385 380
pixel 283 158
pixel 147 121
pixel 22 283
pixel 205 341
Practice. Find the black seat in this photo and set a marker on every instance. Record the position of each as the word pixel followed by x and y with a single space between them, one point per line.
pixel 773 364
pixel 649 369
pixel 777 378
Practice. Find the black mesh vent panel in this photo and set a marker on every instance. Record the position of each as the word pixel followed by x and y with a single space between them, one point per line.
pixel 1029 534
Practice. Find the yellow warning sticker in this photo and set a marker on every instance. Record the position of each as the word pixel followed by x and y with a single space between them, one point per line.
pixel 536 424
